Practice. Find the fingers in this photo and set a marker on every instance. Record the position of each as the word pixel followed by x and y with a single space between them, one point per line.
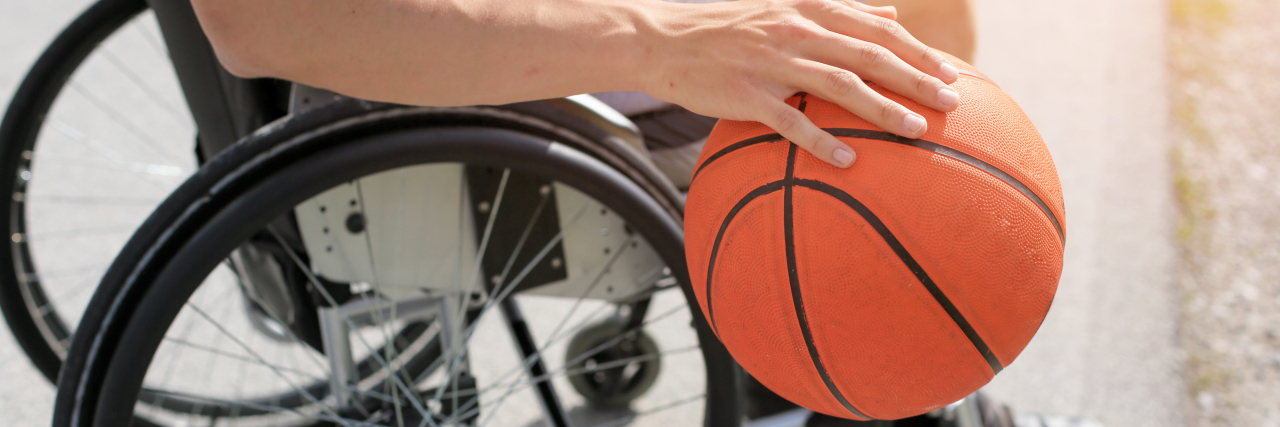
pixel 879 64
pixel 886 12
pixel 877 29
pixel 849 91
pixel 793 125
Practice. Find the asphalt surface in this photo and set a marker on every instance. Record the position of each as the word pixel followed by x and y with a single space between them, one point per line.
pixel 1092 76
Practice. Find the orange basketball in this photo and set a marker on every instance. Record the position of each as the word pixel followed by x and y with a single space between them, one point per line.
pixel 891 288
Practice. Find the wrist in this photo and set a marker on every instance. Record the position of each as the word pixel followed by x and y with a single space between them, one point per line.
pixel 654 47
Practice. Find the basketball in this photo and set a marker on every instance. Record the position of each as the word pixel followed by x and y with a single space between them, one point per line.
pixel 891 288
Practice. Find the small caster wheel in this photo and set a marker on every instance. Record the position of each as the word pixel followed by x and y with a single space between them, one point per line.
pixel 612 377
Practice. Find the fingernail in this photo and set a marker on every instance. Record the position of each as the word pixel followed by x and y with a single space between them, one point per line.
pixel 949 71
pixel 948 97
pixel 843 157
pixel 914 123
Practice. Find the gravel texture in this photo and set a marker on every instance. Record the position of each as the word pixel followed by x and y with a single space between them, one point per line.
pixel 1227 166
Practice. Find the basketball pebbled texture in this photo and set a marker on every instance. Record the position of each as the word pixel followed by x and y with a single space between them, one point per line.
pixel 893 287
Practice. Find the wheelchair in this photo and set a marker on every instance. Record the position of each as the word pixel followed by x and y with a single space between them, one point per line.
pixel 347 262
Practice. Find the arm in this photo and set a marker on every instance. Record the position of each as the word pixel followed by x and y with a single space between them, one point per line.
pixel 734 60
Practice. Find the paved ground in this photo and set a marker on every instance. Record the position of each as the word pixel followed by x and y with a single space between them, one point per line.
pixel 1225 96
pixel 1094 83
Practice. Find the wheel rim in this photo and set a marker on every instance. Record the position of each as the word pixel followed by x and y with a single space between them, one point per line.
pixel 122 376
pixel 87 169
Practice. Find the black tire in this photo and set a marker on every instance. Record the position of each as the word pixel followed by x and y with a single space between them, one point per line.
pixel 43 336
pixel 279 166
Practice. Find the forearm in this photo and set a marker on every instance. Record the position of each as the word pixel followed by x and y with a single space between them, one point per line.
pixel 435 52
pixel 735 60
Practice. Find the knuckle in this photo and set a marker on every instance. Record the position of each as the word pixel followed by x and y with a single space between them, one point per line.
pixel 927 54
pixel 812 142
pixel 923 82
pixel 842 82
pixel 826 6
pixel 787 120
pixel 794 28
pixel 887 29
pixel 874 55
pixel 888 109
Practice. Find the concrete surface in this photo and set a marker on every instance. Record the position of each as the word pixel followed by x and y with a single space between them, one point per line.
pixel 1094 83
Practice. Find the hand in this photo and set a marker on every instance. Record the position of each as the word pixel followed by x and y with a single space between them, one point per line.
pixel 740 60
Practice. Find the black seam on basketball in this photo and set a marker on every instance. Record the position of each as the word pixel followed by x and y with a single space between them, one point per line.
pixel 794 277
pixel 958 155
pixel 773 137
pixel 724 225
pixel 918 143
pixel 911 264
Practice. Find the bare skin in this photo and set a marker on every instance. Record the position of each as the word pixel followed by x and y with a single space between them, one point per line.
pixel 733 60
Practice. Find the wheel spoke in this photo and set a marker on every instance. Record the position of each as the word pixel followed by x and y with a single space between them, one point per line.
pixel 151 38
pixel 255 355
pixel 75 289
pixel 332 302
pixel 516 385
pixel 108 153
pixel 675 403
pixel 107 159
pixel 81 232
pixel 144 202
pixel 120 119
pixel 264 407
pixel 247 359
pixel 147 89
pixel 556 338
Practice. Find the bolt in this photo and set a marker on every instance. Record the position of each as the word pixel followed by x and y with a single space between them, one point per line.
pixel 355 223
pixel 544 190
pixel 483 207
pixel 556 262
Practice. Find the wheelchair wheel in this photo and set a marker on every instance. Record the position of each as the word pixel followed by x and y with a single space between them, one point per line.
pixel 449 255
pixel 95 137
